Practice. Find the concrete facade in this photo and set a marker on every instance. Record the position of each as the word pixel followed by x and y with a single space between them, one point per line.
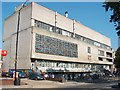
pixel 28 58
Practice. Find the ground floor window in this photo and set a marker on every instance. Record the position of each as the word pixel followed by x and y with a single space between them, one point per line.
pixel 67 66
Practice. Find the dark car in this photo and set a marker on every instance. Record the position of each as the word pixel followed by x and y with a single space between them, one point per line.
pixel 5 74
pixel 36 76
pixel 21 74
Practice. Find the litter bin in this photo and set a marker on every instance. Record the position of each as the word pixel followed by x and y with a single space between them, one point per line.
pixel 17 81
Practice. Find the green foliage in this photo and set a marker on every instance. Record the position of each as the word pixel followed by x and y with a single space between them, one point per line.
pixel 117 58
pixel 115 8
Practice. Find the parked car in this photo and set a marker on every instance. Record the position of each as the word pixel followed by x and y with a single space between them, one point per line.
pixel 5 74
pixel 22 74
pixel 36 76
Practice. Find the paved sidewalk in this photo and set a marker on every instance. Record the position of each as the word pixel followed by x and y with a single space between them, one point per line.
pixel 32 84
pixel 43 84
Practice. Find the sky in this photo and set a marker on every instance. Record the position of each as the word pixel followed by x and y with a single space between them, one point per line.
pixel 90 14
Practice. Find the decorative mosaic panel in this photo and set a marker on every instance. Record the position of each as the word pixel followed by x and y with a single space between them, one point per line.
pixel 49 45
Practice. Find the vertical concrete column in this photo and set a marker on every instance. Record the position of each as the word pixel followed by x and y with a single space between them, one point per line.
pixel 55 21
pixel 73 28
pixel 32 22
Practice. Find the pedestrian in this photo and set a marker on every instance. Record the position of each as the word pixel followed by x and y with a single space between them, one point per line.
pixel 53 76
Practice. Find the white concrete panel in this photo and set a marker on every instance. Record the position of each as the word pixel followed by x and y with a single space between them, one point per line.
pixel 25 17
pixel 24 49
pixel 43 14
pixel 6 58
pixel 89 33
pixel 64 23
pixel 10 46
pixel 10 26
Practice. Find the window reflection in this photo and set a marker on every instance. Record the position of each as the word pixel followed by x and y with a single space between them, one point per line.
pixel 48 45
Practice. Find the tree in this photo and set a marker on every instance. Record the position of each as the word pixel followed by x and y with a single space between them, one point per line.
pixel 117 58
pixel 115 8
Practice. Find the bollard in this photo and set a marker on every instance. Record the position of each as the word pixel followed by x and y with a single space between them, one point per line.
pixel 17 81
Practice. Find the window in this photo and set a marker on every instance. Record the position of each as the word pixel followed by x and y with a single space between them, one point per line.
pixel 49 45
pixel 70 34
pixel 89 57
pixel 108 54
pixel 58 31
pixel 100 52
pixel 89 49
pixel 109 60
pixel 100 59
pixel 65 33
pixel 97 44
pixel 50 29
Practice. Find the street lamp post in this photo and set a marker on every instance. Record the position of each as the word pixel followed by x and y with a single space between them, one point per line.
pixel 17 34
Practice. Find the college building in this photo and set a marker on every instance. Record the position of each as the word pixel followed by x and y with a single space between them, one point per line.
pixel 51 42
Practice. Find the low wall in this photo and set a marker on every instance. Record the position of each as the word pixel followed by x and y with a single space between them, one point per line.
pixel 6 81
